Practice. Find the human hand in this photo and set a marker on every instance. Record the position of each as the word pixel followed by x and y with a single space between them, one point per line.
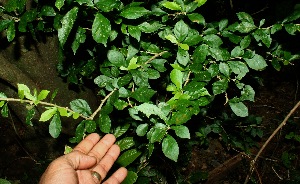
pixel 88 163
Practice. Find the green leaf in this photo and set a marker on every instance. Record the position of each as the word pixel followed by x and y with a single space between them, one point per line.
pixel 170 148
pixel 157 133
pixel 245 42
pixel 153 74
pixel 43 95
pixel 90 126
pixel 47 11
pixel 140 78
pixel 55 126
pixel 176 77
pixel 59 4
pixel 213 40
pixel 79 133
pixel 134 12
pixel 238 68
pixel 183 57
pixel 224 69
pixel 181 30
pixel 237 52
pixel 142 129
pixel 116 58
pixel 219 54
pixel 24 91
pixel 223 24
pixel 130 178
pixel 245 17
pixel 45 116
pixel 150 28
pixel 2 95
pixel 120 104
pixel 13 5
pixel 4 111
pixel 183 46
pixel 200 2
pixel 102 81
pixel 245 27
pixel 143 94
pixel 291 28
pixel 81 106
pixel 135 32
pixel 128 157
pixel 181 117
pixel 172 6
pixel 11 31
pixel 150 109
pixel 132 64
pixel 220 86
pixel 182 131
pixel 197 18
pixel 87 2
pixel 239 109
pixel 108 5
pixel 79 38
pixel 275 28
pixel 172 39
pixel 4 24
pixel 67 24
pixel 200 53
pixel 104 123
pixel 125 143
pixel 264 36
pixel 29 116
pixel 247 93
pixel 4 181
pixel 101 29
pixel 257 62
pixel 120 130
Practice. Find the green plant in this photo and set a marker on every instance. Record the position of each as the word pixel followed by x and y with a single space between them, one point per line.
pixel 157 64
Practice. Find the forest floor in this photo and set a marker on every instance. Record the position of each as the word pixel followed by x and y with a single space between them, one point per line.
pixel 24 161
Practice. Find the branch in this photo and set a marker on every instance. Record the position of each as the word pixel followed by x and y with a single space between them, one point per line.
pixel 155 56
pixel 100 106
pixel 252 164
pixel 43 103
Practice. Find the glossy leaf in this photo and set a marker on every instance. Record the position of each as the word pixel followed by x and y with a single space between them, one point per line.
pixel 45 116
pixel 239 109
pixel 43 94
pixel 4 110
pixel 130 178
pixel 245 27
pixel 55 126
pixel 134 12
pixel 257 62
pixel 176 77
pixel 150 109
pixel 197 18
pixel 172 5
pixel 142 129
pixel 224 69
pixel 245 17
pixel 120 130
pixel 213 40
pixel 81 106
pixel 143 94
pixel 11 31
pixel 116 58
pixel 90 126
pixel 125 143
pixel 181 30
pixel 128 157
pixel 101 29
pixel 135 32
pixel 238 68
pixel 30 114
pixel 59 4
pixel 108 5
pixel 170 148
pixel 182 131
pixel 79 39
pixel 67 24
pixel 219 87
pixel 104 123
pixel 146 27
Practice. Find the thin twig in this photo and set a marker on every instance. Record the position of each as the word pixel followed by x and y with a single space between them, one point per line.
pixel 100 106
pixel 155 56
pixel 41 102
pixel 252 165
pixel 187 78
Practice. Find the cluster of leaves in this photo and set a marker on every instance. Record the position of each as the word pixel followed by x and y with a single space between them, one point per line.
pixel 159 61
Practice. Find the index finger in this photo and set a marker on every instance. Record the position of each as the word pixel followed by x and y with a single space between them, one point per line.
pixel 87 144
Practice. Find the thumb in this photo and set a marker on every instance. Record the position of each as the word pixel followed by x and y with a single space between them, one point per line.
pixel 79 160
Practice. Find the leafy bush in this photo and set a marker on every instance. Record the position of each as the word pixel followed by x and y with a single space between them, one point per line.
pixel 157 64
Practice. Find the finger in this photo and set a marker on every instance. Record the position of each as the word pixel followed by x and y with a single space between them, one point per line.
pixel 86 145
pixel 100 149
pixel 107 161
pixel 117 177
pixel 78 160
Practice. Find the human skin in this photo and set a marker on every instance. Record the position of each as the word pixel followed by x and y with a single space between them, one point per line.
pixel 91 154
